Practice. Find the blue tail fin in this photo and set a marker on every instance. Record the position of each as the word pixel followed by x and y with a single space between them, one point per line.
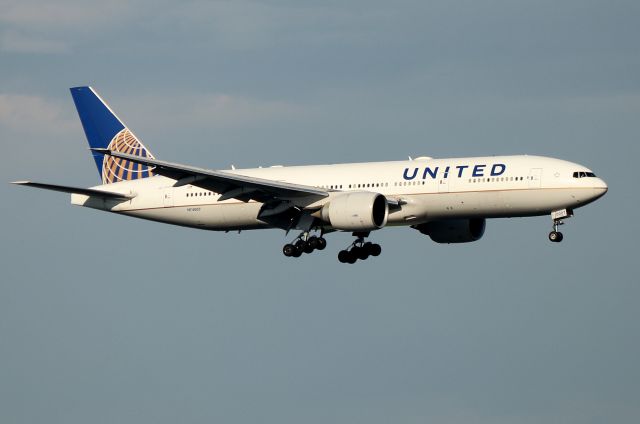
pixel 104 130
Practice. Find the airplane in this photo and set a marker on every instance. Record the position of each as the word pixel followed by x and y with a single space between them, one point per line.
pixel 448 200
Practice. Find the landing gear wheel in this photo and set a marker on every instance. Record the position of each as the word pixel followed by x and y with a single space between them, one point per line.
pixel 298 249
pixel 556 236
pixel 313 242
pixel 308 248
pixel 361 253
pixel 288 250
pixel 343 256
pixel 322 243
pixel 375 249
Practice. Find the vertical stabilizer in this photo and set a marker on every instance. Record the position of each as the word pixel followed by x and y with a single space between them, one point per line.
pixel 106 131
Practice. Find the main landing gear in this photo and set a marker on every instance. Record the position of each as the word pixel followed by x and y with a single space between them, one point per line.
pixel 557 216
pixel 359 249
pixel 304 244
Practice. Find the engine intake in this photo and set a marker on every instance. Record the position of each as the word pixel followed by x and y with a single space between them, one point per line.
pixel 454 230
pixel 356 211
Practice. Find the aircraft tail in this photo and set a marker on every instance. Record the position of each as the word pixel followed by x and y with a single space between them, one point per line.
pixel 104 130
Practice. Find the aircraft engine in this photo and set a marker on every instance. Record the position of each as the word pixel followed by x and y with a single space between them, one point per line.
pixel 454 230
pixel 356 211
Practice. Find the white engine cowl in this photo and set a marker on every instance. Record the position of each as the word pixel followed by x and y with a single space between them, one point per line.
pixel 356 211
pixel 454 230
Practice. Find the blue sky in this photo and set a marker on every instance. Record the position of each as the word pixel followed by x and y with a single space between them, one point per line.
pixel 109 319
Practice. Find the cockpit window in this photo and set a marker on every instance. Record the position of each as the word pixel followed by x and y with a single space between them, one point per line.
pixel 583 174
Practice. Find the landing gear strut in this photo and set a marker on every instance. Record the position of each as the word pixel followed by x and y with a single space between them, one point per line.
pixel 304 244
pixel 359 249
pixel 557 217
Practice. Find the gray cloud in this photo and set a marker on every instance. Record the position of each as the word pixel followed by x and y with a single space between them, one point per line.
pixel 170 110
pixel 32 26
pixel 31 114
pixel 15 42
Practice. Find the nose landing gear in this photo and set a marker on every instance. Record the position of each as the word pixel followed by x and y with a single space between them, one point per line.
pixel 557 216
pixel 359 249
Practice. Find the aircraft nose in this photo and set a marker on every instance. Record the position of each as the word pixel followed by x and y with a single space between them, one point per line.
pixel 600 188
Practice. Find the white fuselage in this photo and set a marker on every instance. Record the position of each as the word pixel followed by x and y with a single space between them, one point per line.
pixel 426 189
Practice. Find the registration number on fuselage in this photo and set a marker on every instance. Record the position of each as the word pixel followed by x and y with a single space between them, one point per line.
pixel 193 209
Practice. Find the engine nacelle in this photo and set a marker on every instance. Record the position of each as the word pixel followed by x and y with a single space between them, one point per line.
pixel 356 211
pixel 454 230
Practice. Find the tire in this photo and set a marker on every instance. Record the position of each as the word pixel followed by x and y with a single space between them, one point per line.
pixel 313 242
pixel 307 248
pixel 288 250
pixel 343 256
pixel 375 250
pixel 555 236
pixel 362 253
pixel 322 243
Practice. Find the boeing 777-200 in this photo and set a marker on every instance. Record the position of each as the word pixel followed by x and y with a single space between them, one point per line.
pixel 448 200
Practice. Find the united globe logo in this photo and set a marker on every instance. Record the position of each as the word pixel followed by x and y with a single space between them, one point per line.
pixel 116 169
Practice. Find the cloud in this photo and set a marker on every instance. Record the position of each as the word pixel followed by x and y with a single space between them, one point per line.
pixel 27 114
pixel 59 14
pixel 34 26
pixel 252 24
pixel 31 114
pixel 212 110
pixel 16 42
pixel 235 25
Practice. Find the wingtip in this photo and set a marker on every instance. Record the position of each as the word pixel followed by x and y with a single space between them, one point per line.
pixel 20 182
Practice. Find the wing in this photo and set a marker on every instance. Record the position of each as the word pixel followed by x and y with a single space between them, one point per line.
pixel 227 184
pixel 77 190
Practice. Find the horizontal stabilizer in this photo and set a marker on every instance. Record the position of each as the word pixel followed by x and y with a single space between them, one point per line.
pixel 77 190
